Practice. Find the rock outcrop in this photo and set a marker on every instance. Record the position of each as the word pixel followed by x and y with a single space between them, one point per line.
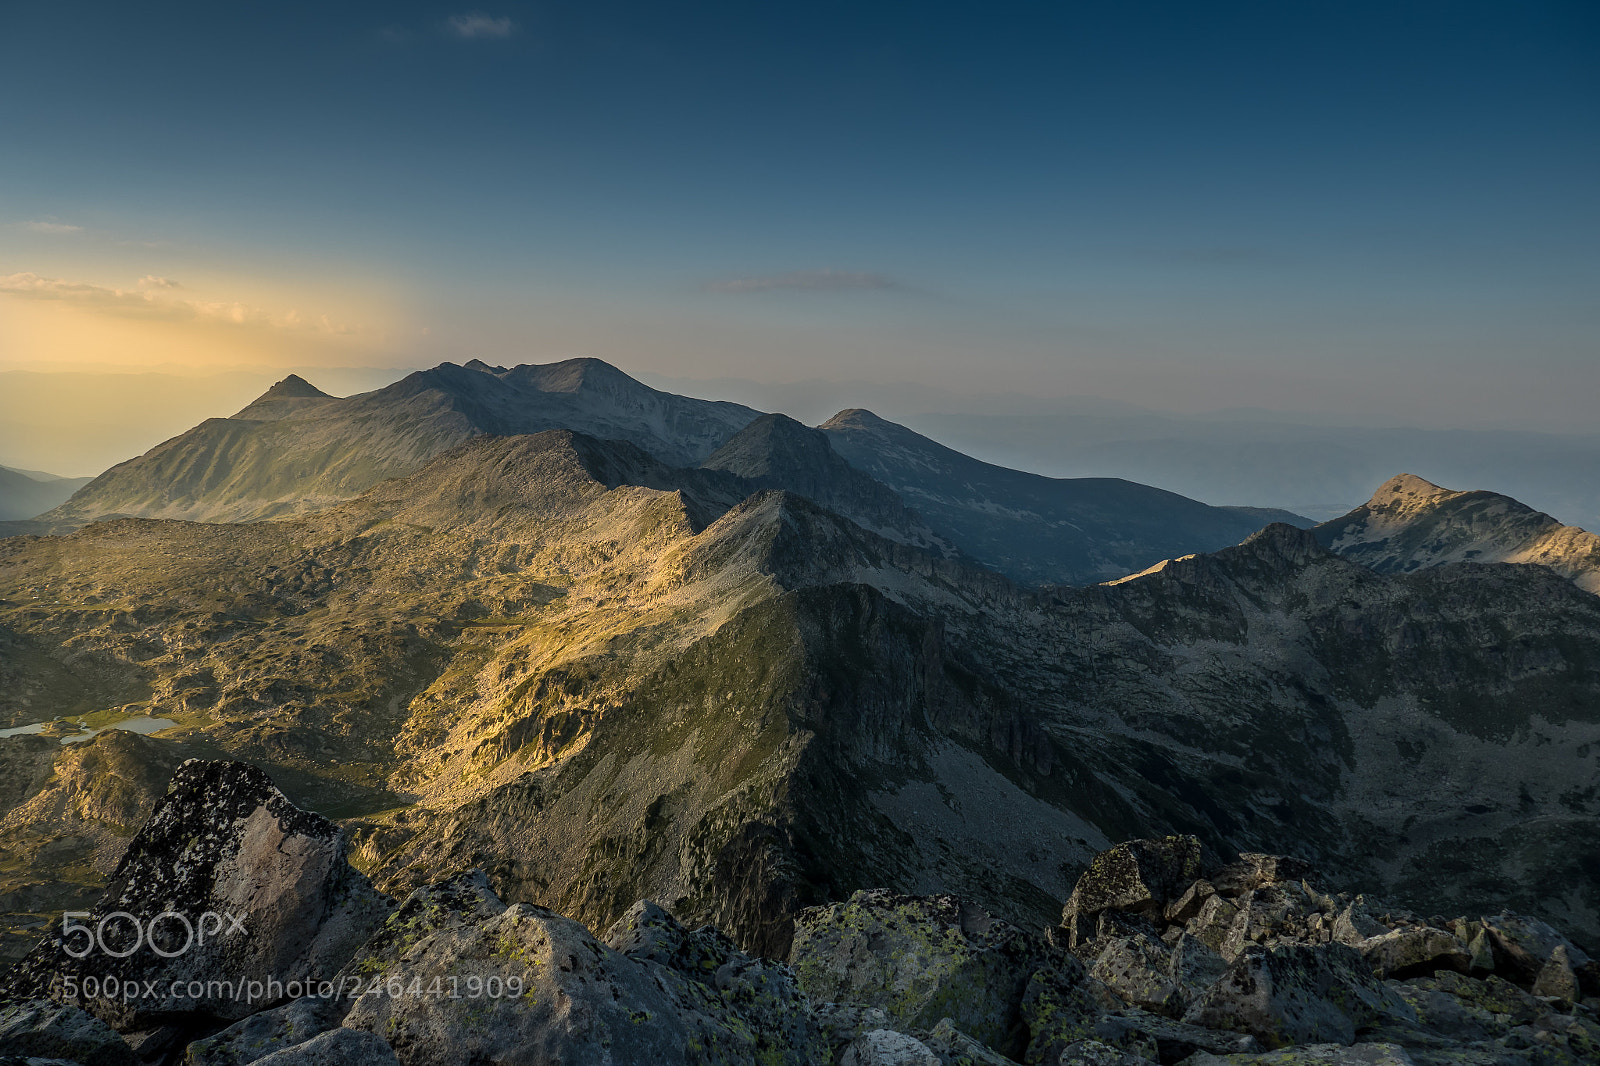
pixel 455 975
pixel 228 896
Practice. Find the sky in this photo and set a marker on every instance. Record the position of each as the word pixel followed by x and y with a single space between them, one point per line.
pixel 1382 212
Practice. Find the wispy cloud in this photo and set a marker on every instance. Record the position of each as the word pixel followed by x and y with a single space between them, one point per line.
pixel 478 26
pixel 58 228
pixel 806 280
pixel 154 299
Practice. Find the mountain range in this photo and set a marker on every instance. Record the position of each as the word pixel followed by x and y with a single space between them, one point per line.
pixel 606 675
pixel 295 449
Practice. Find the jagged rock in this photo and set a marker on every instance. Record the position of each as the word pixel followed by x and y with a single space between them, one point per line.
pixel 535 987
pixel 1354 926
pixel 1416 952
pixel 1323 1055
pixel 1138 876
pixel 1188 905
pixel 924 958
pixel 885 1047
pixel 1138 969
pixel 764 993
pixel 1094 1053
pixel 1058 1013
pixel 1296 994
pixel 1482 952
pixel 1165 1039
pixel 1556 978
pixel 1267 913
pixel 1254 870
pixel 1194 964
pixel 840 1023
pixel 270 1031
pixel 1212 925
pixel 336 1047
pixel 39 1028
pixel 955 1048
pixel 1523 945
pixel 226 856
pixel 1457 1007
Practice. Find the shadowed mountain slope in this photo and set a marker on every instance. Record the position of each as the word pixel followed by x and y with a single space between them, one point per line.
pixel 1410 524
pixel 776 452
pixel 1035 529
pixel 295 450
pixel 25 493
pixel 604 678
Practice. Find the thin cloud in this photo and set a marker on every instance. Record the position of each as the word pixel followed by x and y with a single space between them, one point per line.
pixel 153 299
pixel 807 281
pixel 478 27
pixel 57 228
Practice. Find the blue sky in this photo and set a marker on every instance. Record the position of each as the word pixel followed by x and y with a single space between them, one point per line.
pixel 1388 208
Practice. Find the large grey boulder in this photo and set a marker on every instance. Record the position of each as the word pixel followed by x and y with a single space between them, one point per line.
pixel 885 1047
pixel 1167 1040
pixel 41 1029
pixel 1523 946
pixel 1335 1055
pixel 925 958
pixel 717 985
pixel 1255 869
pixel 955 1048
pixel 336 1047
pixel 1139 970
pixel 227 900
pixel 254 1038
pixel 1097 1053
pixel 456 978
pixel 1297 994
pixel 1416 951
pixel 1137 876
pixel 1057 1014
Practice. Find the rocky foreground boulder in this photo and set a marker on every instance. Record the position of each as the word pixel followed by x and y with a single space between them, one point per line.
pixel 1164 955
pixel 228 894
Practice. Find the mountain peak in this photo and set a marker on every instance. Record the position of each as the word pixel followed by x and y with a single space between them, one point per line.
pixel 1410 524
pixel 293 387
pixel 858 418
pixel 1407 488
pixel 1281 540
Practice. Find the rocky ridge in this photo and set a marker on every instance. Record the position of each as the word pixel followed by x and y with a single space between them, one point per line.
pixel 1164 955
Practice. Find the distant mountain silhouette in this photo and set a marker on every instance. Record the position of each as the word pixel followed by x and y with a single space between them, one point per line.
pixel 295 449
pixel 1037 529
pixel 26 493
